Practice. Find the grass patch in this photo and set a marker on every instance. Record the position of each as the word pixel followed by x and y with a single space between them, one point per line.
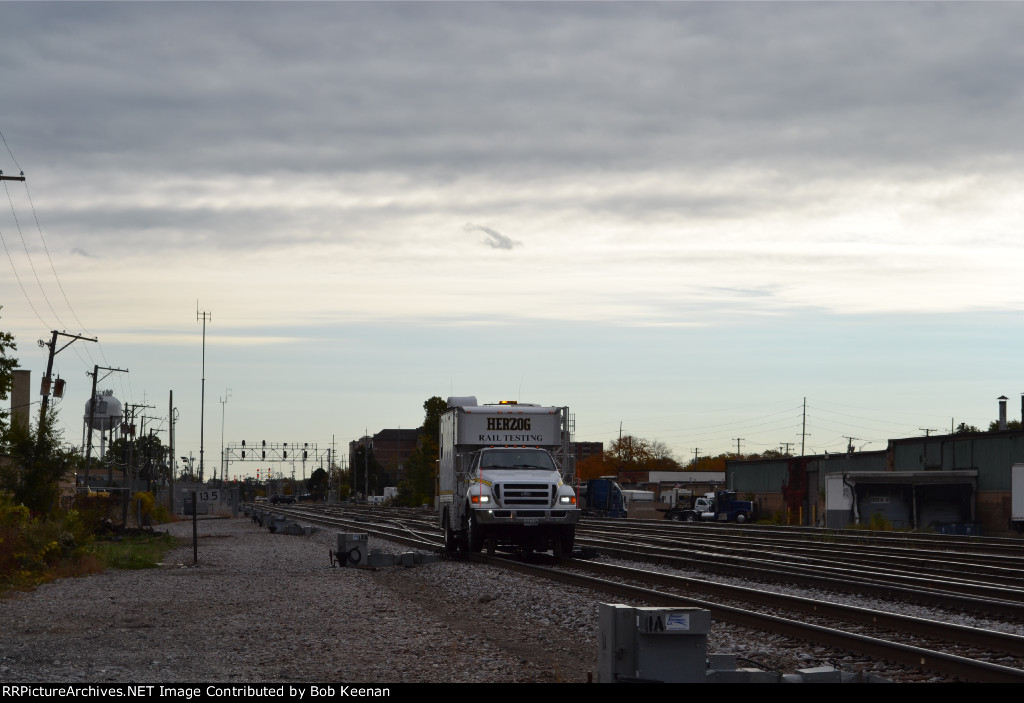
pixel 143 551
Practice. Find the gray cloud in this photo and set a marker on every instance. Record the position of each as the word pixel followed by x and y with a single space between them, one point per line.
pixel 494 239
pixel 517 94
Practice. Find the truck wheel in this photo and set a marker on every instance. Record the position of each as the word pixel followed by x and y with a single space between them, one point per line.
pixel 474 536
pixel 691 517
pixel 741 518
pixel 451 545
pixel 677 517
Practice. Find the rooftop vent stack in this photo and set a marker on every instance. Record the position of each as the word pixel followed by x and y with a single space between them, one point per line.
pixel 1002 412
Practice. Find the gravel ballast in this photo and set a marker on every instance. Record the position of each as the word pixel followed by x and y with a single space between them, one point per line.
pixel 262 607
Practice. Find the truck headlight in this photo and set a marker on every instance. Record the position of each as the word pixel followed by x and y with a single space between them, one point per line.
pixel 567 500
pixel 479 499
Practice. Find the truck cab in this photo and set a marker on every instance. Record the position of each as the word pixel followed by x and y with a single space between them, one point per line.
pixel 513 489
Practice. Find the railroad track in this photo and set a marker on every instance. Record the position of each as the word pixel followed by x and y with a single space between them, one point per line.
pixel 992 656
pixel 962 667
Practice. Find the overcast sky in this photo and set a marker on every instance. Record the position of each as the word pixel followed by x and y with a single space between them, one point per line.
pixel 678 219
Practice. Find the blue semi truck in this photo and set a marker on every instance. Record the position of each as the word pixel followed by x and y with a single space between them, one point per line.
pixel 602 497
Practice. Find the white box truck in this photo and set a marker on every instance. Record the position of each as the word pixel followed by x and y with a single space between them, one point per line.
pixel 505 477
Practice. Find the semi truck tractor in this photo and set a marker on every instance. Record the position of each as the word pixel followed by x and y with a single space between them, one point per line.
pixel 602 497
pixel 505 477
pixel 721 506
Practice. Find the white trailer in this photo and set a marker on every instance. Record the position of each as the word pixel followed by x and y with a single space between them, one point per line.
pixel 505 477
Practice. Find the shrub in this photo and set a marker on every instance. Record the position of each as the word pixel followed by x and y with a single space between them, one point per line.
pixel 33 549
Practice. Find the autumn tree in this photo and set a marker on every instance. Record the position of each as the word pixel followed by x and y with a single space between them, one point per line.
pixel 631 453
pixel 628 453
pixel 710 463
pixel 595 466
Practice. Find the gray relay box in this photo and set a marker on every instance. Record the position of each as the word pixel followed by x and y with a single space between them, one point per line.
pixel 353 548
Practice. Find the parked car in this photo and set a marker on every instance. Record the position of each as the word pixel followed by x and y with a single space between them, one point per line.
pixel 282 499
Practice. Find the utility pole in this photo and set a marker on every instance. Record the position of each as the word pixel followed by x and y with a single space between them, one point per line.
pixel 223 456
pixel 92 413
pixel 54 351
pixel 803 430
pixel 170 443
pixel 738 440
pixel 204 316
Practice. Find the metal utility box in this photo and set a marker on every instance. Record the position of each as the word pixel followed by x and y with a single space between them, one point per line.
pixel 652 644
pixel 353 548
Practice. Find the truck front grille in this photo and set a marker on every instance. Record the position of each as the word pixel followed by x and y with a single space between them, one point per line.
pixel 524 494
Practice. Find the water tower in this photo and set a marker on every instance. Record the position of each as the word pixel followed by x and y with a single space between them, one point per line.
pixel 106 418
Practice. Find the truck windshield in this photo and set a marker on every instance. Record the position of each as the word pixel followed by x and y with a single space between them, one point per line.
pixel 516 459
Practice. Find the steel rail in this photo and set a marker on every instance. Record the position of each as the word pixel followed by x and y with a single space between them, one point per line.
pixel 909 655
pixel 1003 642
pixel 846 580
pixel 1000 570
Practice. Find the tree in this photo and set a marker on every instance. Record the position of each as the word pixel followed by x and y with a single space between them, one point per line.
pixel 710 463
pixel 37 461
pixel 365 467
pixel 628 453
pixel 7 365
pixel 1011 425
pixel 144 456
pixel 773 454
pixel 637 454
pixel 595 466
pixel 964 428
pixel 417 485
pixel 317 484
